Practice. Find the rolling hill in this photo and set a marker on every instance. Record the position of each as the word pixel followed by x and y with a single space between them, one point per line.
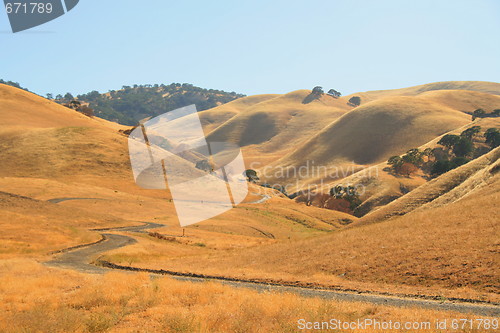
pixel 374 131
pixel 492 88
pixel 23 110
pixel 274 127
pixel 41 138
pixel 287 131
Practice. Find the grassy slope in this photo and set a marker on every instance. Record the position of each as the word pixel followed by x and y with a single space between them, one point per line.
pixel 447 188
pixel 275 126
pixel 370 134
pixel 380 187
pixel 213 118
pixel 449 249
pixel 463 100
pixel 22 109
pixel 52 300
pixel 32 228
pixel 388 126
pixel 59 153
pixel 376 130
pixel 480 86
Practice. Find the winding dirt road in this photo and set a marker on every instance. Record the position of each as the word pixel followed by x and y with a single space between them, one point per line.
pixel 82 259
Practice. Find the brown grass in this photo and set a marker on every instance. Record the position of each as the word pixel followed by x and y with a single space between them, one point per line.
pixel 17 109
pixel 479 86
pixel 373 132
pixel 449 187
pixel 213 118
pixel 34 228
pixel 39 299
pixel 450 250
pixel 273 127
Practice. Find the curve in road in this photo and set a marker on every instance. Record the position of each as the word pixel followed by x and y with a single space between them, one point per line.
pixel 82 259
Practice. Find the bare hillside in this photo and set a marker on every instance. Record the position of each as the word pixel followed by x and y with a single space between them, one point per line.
pixel 479 86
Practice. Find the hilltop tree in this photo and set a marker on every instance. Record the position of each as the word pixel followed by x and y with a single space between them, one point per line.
pixel 492 136
pixel 129 105
pixel 59 97
pixel 50 96
pixel 13 84
pixel 449 140
pixel 355 100
pixel 470 132
pixel 318 90
pixel 334 93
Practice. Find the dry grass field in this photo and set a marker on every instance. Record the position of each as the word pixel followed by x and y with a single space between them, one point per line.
pixel 446 251
pixel 439 239
pixel 34 298
pixel 274 127
pixel 492 88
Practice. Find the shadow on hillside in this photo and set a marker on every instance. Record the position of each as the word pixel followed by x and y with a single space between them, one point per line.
pixel 309 98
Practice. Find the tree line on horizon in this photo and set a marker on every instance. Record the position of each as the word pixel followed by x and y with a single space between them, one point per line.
pixel 131 104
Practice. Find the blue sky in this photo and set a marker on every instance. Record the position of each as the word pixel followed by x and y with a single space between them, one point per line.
pixel 256 46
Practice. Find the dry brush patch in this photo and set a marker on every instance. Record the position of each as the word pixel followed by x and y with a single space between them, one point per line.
pixel 34 298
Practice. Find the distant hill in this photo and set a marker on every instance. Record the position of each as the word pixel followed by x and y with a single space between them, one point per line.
pixel 132 103
pixel 492 88
pixel 40 138
pixel 277 124
pixel 286 132
pixel 21 109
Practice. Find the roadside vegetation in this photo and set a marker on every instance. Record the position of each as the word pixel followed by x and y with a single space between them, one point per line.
pixel 51 300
